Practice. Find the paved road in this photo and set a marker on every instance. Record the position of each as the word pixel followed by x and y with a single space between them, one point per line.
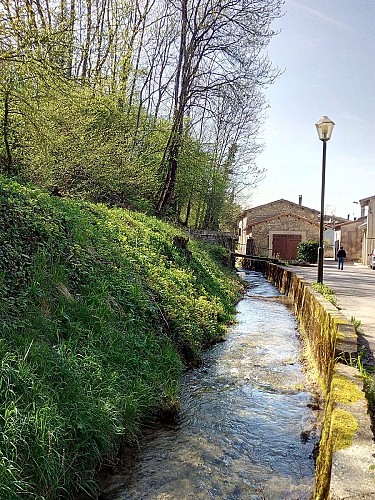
pixel 354 288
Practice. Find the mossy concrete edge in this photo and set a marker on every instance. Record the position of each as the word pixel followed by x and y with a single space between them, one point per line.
pixel 345 466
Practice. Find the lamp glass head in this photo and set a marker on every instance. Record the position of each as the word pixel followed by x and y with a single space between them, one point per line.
pixel 324 128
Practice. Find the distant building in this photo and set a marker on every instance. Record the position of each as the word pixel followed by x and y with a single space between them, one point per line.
pixel 368 227
pixel 350 235
pixel 275 229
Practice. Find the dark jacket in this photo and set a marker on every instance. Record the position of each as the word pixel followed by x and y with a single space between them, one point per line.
pixel 341 253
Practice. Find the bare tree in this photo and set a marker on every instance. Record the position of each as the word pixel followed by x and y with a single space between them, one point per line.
pixel 220 45
pixel 194 68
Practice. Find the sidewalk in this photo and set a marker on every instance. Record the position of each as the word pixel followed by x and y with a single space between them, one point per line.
pixel 354 288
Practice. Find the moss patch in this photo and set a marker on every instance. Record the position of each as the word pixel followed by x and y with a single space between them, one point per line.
pixel 344 426
pixel 345 391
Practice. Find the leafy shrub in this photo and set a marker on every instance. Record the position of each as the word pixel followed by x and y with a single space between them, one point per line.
pixel 307 251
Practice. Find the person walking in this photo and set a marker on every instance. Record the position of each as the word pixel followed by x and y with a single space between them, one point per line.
pixel 341 255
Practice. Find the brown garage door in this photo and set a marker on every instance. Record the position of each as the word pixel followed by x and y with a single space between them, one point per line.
pixel 285 245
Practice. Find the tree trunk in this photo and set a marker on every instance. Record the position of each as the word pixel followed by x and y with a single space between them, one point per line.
pixel 70 42
pixel 174 142
pixel 170 179
pixel 188 209
pixel 86 50
pixel 8 160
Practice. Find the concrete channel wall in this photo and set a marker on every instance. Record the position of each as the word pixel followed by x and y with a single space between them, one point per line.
pixel 344 464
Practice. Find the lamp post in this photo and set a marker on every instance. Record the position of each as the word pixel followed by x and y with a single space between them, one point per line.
pixel 355 203
pixel 324 128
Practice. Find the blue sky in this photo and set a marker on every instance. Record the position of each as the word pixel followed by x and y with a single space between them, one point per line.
pixel 327 51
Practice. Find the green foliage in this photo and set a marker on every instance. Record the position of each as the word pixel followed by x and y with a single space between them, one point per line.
pixel 98 312
pixel 327 293
pixel 87 149
pixel 78 143
pixel 88 102
pixel 229 216
pixel 358 362
pixel 307 251
pixel 361 363
pixel 357 323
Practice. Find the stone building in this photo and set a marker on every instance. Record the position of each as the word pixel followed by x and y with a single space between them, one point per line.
pixel 368 240
pixel 276 228
pixel 351 237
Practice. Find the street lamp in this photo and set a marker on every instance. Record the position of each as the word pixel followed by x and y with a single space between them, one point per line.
pixel 324 128
pixel 356 203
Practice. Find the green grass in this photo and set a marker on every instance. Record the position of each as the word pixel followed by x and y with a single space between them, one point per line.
pixel 327 293
pixel 99 314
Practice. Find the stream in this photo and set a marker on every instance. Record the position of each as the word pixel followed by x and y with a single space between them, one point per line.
pixel 246 429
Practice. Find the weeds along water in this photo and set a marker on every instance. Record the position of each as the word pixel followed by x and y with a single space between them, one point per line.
pixel 99 314
pixel 245 429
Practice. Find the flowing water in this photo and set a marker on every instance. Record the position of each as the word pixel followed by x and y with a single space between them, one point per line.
pixel 246 428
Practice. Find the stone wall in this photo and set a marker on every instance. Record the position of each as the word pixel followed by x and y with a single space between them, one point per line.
pixel 281 207
pixel 263 232
pixel 351 239
pixel 345 463
pixel 279 217
pixel 226 239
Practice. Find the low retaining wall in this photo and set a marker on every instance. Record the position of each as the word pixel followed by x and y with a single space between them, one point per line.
pixel 225 239
pixel 345 463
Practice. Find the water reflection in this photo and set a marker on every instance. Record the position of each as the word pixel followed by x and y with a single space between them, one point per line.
pixel 245 429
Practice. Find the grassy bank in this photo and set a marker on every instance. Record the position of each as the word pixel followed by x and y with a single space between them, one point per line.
pixel 99 312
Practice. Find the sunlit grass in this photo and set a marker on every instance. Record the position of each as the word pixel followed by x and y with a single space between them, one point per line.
pixel 99 312
pixel 327 293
